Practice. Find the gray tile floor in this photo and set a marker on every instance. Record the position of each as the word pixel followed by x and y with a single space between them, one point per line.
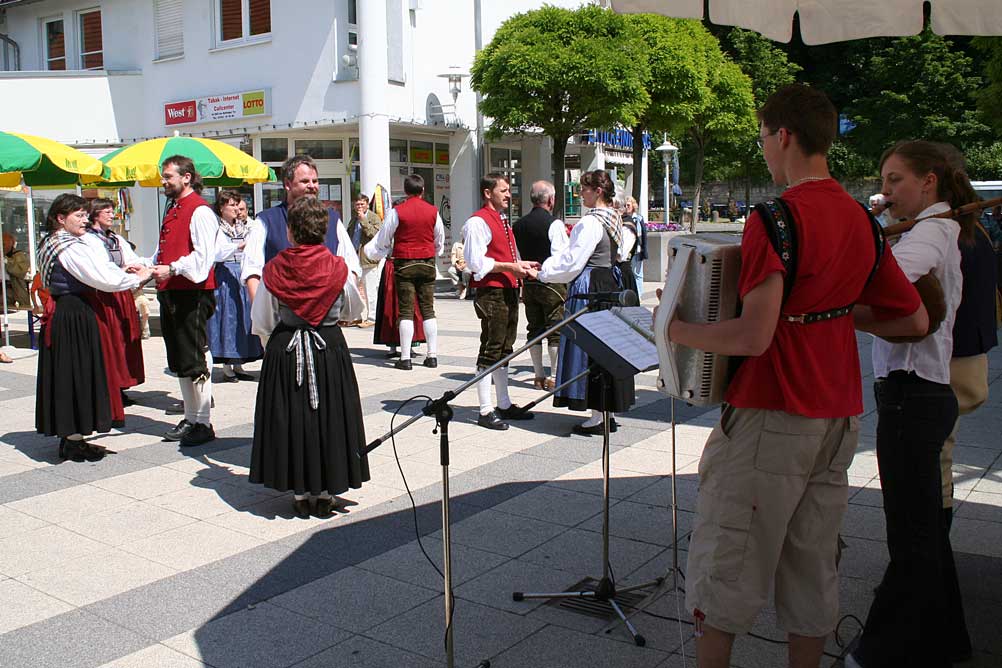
pixel 159 557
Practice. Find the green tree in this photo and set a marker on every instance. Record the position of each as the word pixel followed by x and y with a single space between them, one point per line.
pixel 769 68
pixel 677 80
pixel 727 115
pixel 990 97
pixel 563 71
pixel 920 87
pixel 984 161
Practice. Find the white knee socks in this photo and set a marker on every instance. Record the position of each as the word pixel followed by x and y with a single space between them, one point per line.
pixel 484 393
pixel 594 420
pixel 500 377
pixel 536 353
pixel 554 350
pixel 431 334
pixel 406 328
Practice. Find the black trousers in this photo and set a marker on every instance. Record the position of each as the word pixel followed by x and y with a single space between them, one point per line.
pixel 184 315
pixel 907 622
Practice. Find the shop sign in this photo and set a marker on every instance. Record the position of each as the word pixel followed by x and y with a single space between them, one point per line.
pixel 442 157
pixel 222 107
pixel 421 155
pixel 619 138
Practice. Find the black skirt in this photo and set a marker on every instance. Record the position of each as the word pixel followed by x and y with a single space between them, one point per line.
pixel 71 394
pixel 296 447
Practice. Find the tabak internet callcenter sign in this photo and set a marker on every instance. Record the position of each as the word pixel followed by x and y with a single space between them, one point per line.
pixel 223 107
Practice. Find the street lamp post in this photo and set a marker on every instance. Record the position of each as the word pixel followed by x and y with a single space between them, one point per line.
pixel 667 151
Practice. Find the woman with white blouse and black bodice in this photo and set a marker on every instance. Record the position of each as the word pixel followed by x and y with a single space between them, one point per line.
pixel 590 264
pixel 72 396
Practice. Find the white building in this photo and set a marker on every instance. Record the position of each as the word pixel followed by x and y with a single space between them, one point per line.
pixel 360 85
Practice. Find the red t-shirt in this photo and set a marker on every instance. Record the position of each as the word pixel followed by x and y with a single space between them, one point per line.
pixel 813 369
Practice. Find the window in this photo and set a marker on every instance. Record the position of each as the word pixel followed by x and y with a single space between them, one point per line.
pixel 421 152
pixel 274 149
pixel 91 43
pixel 353 22
pixel 508 162
pixel 55 45
pixel 320 149
pixel 168 17
pixel 242 19
pixel 398 150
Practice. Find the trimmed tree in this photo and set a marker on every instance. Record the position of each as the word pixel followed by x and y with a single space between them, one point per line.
pixel 677 81
pixel 563 72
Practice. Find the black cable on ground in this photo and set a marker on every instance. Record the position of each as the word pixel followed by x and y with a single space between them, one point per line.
pixel 417 529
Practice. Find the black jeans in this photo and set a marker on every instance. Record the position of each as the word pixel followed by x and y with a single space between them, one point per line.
pixel 906 623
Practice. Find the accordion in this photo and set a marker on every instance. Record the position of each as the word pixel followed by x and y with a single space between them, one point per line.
pixel 701 286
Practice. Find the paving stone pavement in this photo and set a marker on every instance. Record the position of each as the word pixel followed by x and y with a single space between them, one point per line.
pixel 169 558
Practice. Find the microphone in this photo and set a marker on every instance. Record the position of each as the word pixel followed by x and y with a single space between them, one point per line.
pixel 622 298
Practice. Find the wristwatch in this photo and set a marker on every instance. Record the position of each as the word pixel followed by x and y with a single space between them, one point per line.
pixel 171 270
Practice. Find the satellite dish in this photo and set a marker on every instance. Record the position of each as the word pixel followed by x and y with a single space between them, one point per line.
pixel 433 110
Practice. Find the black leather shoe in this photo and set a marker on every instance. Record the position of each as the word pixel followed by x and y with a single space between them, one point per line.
pixel 94 453
pixel 243 375
pixel 229 379
pixel 325 507
pixel 302 508
pixel 178 432
pixel 403 365
pixel 430 362
pixel 514 412
pixel 392 354
pixel 581 430
pixel 117 424
pixel 492 421
pixel 71 450
pixel 198 434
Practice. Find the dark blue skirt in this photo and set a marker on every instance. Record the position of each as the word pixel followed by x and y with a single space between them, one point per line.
pixel 587 392
pixel 229 328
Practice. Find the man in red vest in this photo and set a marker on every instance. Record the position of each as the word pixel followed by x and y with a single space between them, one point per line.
pixel 414 232
pixel 185 284
pixel 491 254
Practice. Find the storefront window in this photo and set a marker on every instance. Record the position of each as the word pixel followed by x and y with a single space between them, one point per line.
pixel 274 149
pixel 509 163
pixel 321 149
pixel 422 152
pixel 398 150
pixel 442 154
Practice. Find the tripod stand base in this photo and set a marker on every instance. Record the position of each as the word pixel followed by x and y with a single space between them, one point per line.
pixel 597 598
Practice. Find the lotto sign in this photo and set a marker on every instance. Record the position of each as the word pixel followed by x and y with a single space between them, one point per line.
pixel 222 107
pixel 253 103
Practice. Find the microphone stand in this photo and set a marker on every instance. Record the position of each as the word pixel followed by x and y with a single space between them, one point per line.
pixel 443 414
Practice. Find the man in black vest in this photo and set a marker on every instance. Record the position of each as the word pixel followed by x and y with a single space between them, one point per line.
pixel 538 236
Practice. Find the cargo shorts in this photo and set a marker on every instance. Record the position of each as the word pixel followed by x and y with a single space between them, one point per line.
pixel 773 491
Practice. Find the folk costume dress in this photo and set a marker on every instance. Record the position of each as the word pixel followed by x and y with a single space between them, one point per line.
pixel 229 328
pixel 72 394
pixel 386 332
pixel 118 321
pixel 308 433
pixel 591 263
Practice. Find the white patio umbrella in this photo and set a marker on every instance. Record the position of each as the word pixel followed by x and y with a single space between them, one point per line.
pixel 826 21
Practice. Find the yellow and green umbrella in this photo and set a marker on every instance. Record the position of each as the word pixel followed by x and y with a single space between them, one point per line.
pixel 44 162
pixel 218 163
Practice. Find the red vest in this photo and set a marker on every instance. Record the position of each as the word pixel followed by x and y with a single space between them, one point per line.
pixel 500 249
pixel 414 238
pixel 175 243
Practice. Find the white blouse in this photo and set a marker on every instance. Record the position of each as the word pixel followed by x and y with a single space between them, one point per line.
pixel 930 245
pixel 89 263
pixel 585 236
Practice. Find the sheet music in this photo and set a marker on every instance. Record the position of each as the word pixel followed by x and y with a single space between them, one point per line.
pixel 618 329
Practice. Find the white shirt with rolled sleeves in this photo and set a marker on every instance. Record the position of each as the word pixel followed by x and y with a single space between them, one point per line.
pixel 565 266
pixel 929 246
pixel 381 245
pixel 253 262
pixel 196 265
pixel 476 237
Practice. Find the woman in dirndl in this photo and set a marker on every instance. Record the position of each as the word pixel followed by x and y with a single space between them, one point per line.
pixel 308 433
pixel 231 341
pixel 117 316
pixel 590 263
pixel 72 393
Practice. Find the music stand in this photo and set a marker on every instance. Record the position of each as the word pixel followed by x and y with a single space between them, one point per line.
pixel 630 331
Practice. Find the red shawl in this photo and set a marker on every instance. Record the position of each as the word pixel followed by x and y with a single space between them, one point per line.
pixel 307 279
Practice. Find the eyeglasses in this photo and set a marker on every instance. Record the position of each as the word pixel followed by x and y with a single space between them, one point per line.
pixel 761 139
